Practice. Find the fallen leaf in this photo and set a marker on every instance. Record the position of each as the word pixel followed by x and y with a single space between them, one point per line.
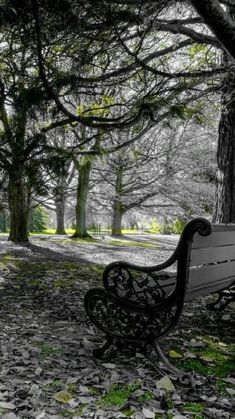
pixel 188 354
pixel 38 371
pixel 109 365
pixel 206 358
pixel 9 406
pixel 87 344
pixel 84 389
pixel 72 380
pixel 230 391
pixel 9 416
pixel 148 414
pixel 41 415
pixel 229 380
pixel 174 354
pixel 86 400
pixel 226 317
pixel 165 383
pixel 63 396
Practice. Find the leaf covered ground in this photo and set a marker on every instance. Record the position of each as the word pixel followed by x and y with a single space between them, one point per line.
pixel 47 369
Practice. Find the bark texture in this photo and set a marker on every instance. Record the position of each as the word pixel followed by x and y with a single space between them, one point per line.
pixel 60 209
pixel 18 208
pixel 84 170
pixel 118 208
pixel 218 21
pixel 225 195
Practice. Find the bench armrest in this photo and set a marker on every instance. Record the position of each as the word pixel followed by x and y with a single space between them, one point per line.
pixel 144 286
pixel 119 318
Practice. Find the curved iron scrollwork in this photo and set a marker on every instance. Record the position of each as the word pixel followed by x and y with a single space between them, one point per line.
pixel 123 322
pixel 139 305
pixel 140 287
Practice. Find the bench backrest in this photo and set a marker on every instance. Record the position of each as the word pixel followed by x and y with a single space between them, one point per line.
pixel 212 261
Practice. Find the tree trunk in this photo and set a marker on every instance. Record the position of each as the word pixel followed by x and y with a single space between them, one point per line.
pixel 60 210
pixel 84 170
pixel 118 209
pixel 224 211
pixel 117 219
pixel 4 220
pixel 18 208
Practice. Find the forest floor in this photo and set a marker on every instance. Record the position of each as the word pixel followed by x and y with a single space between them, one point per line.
pixel 47 369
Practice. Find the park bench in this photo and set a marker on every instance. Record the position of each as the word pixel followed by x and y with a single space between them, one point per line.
pixel 139 305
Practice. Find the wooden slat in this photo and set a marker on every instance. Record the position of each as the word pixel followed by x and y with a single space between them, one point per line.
pixel 216 238
pixel 203 256
pixel 202 291
pixel 223 227
pixel 210 274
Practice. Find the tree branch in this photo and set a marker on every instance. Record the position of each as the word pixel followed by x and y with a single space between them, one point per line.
pixel 220 24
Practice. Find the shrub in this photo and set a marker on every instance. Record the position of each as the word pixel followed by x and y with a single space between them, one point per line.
pixel 154 226
pixel 178 226
pixel 166 227
pixel 38 219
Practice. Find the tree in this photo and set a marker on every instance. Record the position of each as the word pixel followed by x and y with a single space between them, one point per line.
pixel 214 15
pixel 171 174
pixel 60 171
pixel 20 93
pixel 225 197
pixel 77 52
pixel 38 219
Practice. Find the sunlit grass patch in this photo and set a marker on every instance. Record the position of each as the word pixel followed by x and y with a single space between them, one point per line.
pixel 215 358
pixel 118 394
pixel 132 243
pixel 193 407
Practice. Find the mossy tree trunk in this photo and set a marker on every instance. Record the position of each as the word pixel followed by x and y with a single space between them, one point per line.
pixel 224 211
pixel 18 193
pixel 118 207
pixel 18 207
pixel 83 166
pixel 60 209
pixel 117 219
pixel 225 195
pixel 4 220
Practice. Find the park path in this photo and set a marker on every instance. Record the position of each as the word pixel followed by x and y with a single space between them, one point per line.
pixel 102 252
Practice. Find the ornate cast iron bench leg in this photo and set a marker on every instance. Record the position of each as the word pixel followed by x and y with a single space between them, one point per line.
pixel 156 357
pixel 225 297
pixel 107 347
pixel 130 327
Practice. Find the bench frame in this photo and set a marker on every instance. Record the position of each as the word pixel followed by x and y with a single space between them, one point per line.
pixel 138 316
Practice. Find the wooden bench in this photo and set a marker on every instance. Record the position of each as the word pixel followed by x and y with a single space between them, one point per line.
pixel 139 305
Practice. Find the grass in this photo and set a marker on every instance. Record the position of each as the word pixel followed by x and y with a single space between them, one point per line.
pixel 132 243
pixel 46 350
pixel 109 242
pixel 118 394
pixel 215 359
pixel 193 407
pixel 53 384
